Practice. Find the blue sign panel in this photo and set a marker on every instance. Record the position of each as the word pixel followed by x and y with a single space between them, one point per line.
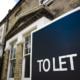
pixel 56 50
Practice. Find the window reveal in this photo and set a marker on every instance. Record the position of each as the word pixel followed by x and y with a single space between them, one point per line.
pixel 12 60
pixel 0 34
pixel 27 56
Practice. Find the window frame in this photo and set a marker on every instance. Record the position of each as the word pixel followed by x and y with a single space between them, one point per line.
pixel 24 55
pixel 2 29
pixel 0 33
pixel 10 60
pixel 46 2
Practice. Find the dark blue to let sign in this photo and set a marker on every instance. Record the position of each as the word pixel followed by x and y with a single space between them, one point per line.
pixel 56 50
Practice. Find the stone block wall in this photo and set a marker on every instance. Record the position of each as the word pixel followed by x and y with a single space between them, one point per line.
pixel 5 65
pixel 18 65
pixel 58 7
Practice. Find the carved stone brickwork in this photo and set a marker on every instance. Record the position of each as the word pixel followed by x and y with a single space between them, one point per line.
pixel 60 7
pixel 18 65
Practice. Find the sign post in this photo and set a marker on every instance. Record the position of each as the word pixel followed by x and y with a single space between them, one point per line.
pixel 56 49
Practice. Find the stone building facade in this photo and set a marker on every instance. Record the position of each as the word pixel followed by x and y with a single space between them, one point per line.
pixel 25 17
pixel 2 41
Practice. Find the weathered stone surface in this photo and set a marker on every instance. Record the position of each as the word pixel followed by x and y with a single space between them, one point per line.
pixel 58 7
pixel 18 65
pixel 5 65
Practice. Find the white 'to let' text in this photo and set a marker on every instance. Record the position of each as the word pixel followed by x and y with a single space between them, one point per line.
pixel 42 63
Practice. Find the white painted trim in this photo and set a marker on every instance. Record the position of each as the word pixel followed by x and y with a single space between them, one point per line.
pixel 2 27
pixel 37 25
pixel 20 38
pixel 23 63
pixel 46 2
pixel 8 47
pixel 8 71
pixel 31 56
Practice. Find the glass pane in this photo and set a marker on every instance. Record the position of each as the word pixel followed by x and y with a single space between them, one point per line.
pixel 12 67
pixel 29 50
pixel 0 32
pixel 11 52
pixel 28 45
pixel 44 1
pixel 26 51
pixel 14 52
pixel 27 66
